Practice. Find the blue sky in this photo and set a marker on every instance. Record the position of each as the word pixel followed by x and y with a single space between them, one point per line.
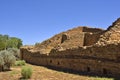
pixel 36 20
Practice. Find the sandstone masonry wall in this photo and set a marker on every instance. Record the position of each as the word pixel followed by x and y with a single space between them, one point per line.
pixel 92 30
pixel 91 38
pixel 87 59
pixel 83 49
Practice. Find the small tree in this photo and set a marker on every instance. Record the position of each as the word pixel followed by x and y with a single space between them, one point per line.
pixel 8 59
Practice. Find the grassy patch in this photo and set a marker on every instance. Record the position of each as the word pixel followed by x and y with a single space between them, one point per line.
pixel 20 63
pixel 13 73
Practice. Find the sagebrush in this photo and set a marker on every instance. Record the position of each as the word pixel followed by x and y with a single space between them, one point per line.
pixel 26 72
pixel 6 59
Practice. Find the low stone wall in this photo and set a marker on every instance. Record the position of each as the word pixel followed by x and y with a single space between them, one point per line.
pixel 96 59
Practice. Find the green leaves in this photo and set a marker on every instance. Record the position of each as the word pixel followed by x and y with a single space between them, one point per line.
pixel 20 63
pixel 9 42
pixel 1 61
pixel 2 45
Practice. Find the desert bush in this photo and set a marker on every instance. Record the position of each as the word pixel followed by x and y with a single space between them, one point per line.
pixel 20 63
pixel 26 72
pixel 7 59
pixel 1 61
pixel 15 52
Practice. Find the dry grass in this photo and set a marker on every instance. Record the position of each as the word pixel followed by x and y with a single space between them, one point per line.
pixel 43 73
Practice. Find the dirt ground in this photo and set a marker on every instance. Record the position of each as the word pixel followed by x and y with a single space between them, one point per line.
pixel 43 73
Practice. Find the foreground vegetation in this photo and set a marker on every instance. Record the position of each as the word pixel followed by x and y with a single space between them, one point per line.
pixel 43 73
pixel 8 58
pixel 26 72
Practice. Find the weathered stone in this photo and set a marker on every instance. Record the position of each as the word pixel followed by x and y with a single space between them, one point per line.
pixel 85 49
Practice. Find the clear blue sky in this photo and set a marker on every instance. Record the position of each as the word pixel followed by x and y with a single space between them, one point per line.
pixel 36 20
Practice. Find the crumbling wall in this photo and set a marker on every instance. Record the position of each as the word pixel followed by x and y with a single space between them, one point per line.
pixel 91 38
pixel 86 65
pixel 73 41
pixel 69 39
pixel 111 35
pixel 33 57
pixel 94 59
pixel 82 49
pixel 92 30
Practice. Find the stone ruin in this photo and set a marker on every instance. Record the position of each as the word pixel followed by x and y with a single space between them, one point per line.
pixel 81 49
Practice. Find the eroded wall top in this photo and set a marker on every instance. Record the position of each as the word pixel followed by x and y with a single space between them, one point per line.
pixel 111 35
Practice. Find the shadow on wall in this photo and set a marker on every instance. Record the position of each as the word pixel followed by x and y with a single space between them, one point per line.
pixel 74 62
pixel 87 73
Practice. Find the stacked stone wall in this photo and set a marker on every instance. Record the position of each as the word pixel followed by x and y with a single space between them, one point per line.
pixel 83 49
pixel 91 38
pixel 97 59
pixel 93 30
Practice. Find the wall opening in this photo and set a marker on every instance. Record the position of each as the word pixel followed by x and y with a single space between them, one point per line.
pixel 91 51
pixel 104 71
pixel 64 38
pixel 88 69
pixel 50 61
pixel 58 63
pixel 118 58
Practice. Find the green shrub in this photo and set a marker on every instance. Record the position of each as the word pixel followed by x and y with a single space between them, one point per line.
pixel 26 72
pixel 8 59
pixel 20 63
pixel 1 61
pixel 15 52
